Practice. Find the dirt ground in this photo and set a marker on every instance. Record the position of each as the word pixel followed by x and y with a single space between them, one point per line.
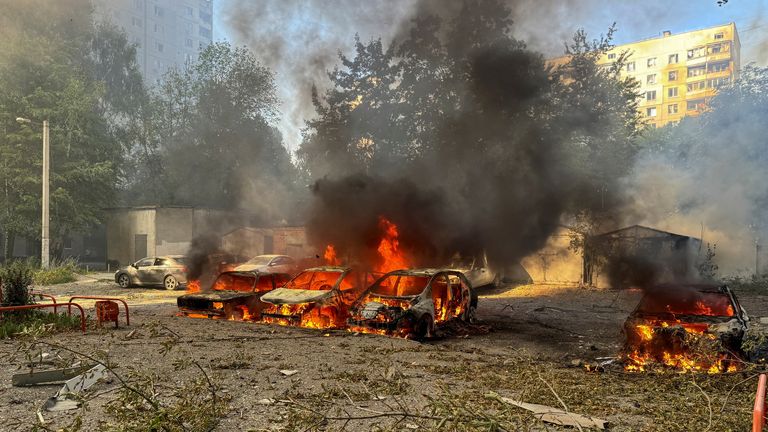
pixel 525 348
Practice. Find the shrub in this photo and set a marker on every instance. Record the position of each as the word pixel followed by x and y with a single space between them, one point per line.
pixel 61 271
pixel 36 323
pixel 16 279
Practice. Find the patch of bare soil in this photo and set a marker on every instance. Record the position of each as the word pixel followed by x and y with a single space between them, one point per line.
pixel 231 371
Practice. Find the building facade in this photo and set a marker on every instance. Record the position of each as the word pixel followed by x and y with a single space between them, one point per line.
pixel 679 73
pixel 167 33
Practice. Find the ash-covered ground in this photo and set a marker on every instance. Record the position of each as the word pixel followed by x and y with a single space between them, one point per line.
pixel 346 381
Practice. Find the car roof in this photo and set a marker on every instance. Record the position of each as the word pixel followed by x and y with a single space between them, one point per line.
pixel 338 269
pixel 270 256
pixel 423 272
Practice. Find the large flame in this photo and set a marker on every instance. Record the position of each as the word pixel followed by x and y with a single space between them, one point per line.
pixel 193 286
pixel 330 256
pixel 391 257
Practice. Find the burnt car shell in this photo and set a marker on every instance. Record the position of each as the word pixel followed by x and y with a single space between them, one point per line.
pixel 432 297
pixel 231 291
pixel 667 310
pixel 317 297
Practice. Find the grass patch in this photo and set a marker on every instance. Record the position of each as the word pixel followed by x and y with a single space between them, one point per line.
pixel 36 323
pixel 63 271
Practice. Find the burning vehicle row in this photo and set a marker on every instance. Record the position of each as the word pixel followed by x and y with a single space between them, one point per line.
pixel 687 327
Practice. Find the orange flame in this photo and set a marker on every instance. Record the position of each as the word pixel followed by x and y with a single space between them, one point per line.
pixel 193 286
pixel 392 258
pixel 330 256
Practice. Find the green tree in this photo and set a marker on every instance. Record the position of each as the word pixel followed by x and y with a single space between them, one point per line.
pixel 213 123
pixel 46 72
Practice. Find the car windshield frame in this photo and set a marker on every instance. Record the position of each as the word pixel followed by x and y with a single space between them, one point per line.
pixel 254 283
pixel 652 305
pixel 310 284
pixel 427 281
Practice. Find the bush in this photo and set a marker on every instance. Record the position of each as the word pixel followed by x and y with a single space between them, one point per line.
pixel 36 323
pixel 62 271
pixel 16 280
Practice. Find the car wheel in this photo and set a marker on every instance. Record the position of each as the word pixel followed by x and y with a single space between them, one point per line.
pixel 124 281
pixel 497 280
pixel 170 283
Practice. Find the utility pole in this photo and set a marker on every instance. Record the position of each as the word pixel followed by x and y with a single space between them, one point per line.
pixel 45 259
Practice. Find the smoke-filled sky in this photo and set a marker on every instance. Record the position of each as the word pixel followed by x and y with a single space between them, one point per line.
pixel 300 39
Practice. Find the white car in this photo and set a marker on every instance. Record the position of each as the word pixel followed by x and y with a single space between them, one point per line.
pixel 269 264
pixel 477 271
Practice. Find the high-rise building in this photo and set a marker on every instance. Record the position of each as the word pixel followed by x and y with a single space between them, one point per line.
pixel 167 32
pixel 678 74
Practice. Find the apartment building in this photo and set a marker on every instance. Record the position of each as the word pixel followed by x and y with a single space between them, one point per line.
pixel 167 32
pixel 679 73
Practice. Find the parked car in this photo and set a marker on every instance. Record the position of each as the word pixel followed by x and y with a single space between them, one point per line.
pixel 477 271
pixel 317 297
pixel 167 271
pixel 269 264
pixel 232 295
pixel 685 326
pixel 414 303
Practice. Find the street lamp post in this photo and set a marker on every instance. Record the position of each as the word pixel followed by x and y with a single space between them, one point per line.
pixel 45 259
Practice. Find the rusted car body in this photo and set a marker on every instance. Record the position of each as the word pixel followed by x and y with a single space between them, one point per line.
pixel 414 303
pixel 233 295
pixel 690 327
pixel 316 298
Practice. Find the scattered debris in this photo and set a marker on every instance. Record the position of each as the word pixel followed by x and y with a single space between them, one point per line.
pixel 67 397
pixel 287 372
pixel 552 415
pixel 47 376
pixel 265 401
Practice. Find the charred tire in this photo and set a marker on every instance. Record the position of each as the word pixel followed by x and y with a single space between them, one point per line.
pixel 170 283
pixel 124 281
pixel 422 328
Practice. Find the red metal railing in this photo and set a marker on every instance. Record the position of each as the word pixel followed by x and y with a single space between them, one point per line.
pixel 758 413
pixel 127 314
pixel 49 305
pixel 48 296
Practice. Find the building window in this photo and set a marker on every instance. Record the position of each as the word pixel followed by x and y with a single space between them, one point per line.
pixel 652 62
pixel 158 28
pixel 650 112
pixel 697 52
pixel 672 92
pixel 206 17
pixel 719 35
pixel 672 108
pixel 695 105
pixel 696 86
pixel 204 32
pixel 67 242
pixel 696 71
pixel 138 4
pixel 673 59
pixel 189 11
pixel 611 56
pixel 136 22
pixel 672 76
pixel 189 28
pixel 650 95
pixel 188 43
pixel 650 79
pixel 631 67
pixel 719 82
pixel 158 11
pixel 159 47
pixel 717 67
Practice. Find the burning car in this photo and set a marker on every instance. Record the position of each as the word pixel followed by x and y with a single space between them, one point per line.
pixel 316 298
pixel 688 327
pixel 414 303
pixel 233 295
pixel 269 264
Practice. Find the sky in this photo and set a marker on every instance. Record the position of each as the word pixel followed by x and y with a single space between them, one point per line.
pixel 300 39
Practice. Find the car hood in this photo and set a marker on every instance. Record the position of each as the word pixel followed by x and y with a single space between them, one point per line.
pixel 217 295
pixel 295 296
